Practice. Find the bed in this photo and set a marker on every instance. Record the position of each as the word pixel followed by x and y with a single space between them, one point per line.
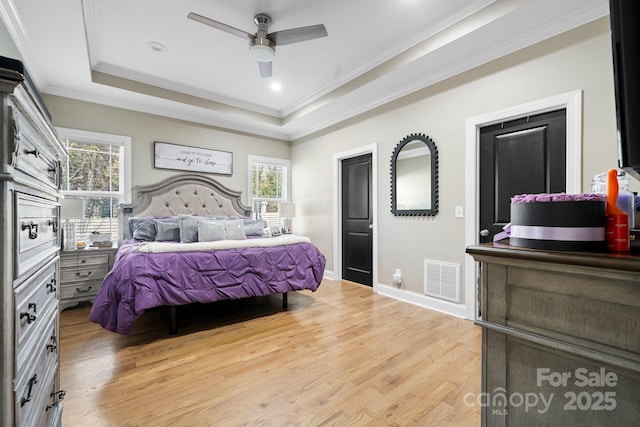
pixel 228 257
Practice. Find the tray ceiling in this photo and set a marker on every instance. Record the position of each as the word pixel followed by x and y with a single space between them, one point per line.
pixel 147 56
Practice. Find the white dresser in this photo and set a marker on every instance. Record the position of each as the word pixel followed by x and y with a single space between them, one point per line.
pixel 30 246
pixel 82 272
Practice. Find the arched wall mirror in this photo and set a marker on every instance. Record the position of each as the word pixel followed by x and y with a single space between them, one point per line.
pixel 414 177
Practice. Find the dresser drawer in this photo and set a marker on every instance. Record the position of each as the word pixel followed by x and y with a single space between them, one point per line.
pixel 33 388
pixel 33 299
pixel 83 257
pixel 37 230
pixel 83 274
pixel 86 290
pixel 44 338
pixel 31 154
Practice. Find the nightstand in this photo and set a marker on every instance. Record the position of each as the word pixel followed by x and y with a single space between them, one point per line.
pixel 81 274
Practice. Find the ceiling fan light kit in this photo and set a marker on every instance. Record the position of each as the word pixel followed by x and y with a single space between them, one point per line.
pixel 262 53
pixel 262 45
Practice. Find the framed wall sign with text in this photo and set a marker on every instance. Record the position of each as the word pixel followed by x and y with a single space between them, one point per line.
pixel 193 159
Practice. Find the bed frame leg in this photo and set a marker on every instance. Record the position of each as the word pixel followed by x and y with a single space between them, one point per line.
pixel 173 320
pixel 285 301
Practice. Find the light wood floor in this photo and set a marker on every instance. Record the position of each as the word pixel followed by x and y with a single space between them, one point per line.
pixel 339 356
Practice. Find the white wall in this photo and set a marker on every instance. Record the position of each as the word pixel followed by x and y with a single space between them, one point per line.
pixel 144 129
pixel 580 59
pixel 7 47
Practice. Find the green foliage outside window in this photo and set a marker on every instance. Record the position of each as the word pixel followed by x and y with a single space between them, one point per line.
pixel 267 184
pixel 92 173
pixel 93 167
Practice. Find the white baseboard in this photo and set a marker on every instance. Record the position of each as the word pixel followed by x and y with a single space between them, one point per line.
pixel 451 308
pixel 329 275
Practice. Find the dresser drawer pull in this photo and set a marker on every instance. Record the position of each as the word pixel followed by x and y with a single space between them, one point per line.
pixel 33 381
pixel 53 223
pixel 84 276
pixel 54 344
pixel 83 291
pixel 33 229
pixel 56 397
pixel 51 286
pixel 33 152
pixel 30 317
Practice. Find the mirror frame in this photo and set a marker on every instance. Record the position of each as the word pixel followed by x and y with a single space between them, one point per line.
pixel 434 177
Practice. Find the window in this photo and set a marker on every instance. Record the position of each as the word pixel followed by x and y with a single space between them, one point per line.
pixel 96 180
pixel 269 185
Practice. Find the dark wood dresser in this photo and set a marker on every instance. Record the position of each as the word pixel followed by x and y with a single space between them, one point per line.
pixel 30 246
pixel 560 338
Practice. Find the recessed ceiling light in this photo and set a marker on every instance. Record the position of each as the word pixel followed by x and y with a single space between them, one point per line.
pixel 157 47
pixel 276 86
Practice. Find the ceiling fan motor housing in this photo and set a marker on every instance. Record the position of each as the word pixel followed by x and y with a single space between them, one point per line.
pixel 262 21
pixel 262 49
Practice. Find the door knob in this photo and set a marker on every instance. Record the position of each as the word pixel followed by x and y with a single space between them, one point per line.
pixel 370 226
pixel 484 233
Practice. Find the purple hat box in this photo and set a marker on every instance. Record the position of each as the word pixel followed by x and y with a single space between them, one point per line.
pixel 563 225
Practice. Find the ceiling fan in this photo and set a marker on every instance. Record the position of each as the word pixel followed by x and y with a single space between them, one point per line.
pixel 262 45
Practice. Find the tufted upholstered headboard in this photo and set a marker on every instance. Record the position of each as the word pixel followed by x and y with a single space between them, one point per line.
pixel 183 194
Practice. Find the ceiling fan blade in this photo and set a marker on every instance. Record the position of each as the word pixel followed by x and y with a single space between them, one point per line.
pixel 220 26
pixel 295 35
pixel 265 69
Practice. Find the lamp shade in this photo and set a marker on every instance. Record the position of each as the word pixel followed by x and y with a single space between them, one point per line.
pixel 287 210
pixel 71 208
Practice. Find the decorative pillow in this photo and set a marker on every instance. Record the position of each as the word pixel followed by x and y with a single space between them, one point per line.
pixel 167 229
pixel 215 217
pixel 234 229
pixel 188 228
pixel 254 227
pixel 210 230
pixel 143 229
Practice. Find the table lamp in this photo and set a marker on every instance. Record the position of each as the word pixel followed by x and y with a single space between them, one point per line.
pixel 70 211
pixel 287 211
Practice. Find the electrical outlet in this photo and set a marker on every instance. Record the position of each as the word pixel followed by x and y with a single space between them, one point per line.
pixel 397 276
pixel 459 212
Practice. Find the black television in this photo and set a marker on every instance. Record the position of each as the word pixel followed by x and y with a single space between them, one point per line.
pixel 625 40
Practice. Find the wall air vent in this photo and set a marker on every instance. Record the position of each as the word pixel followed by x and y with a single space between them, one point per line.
pixel 442 280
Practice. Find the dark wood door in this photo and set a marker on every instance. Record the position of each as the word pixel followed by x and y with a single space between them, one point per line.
pixel 521 156
pixel 357 220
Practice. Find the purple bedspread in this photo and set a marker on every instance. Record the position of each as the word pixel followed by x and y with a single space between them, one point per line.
pixel 139 281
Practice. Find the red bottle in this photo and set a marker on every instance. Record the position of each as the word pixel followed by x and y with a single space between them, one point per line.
pixel 617 229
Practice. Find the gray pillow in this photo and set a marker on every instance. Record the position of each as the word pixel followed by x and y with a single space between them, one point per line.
pixel 210 230
pixel 254 227
pixel 215 217
pixel 188 228
pixel 167 229
pixel 234 229
pixel 143 229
